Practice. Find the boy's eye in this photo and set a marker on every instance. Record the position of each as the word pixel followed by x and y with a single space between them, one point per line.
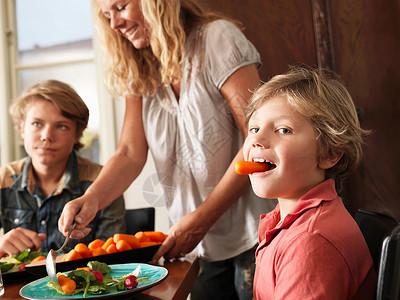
pixel 121 7
pixel 253 130
pixel 284 130
pixel 62 127
pixel 36 124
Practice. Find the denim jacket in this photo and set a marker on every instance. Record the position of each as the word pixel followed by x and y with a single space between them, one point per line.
pixel 23 205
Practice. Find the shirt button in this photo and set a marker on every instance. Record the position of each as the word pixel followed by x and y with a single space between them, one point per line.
pixel 16 221
pixel 43 222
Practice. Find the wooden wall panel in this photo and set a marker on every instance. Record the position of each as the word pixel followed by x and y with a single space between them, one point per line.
pixel 366 36
pixel 282 31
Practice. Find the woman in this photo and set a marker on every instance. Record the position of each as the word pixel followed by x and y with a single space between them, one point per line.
pixel 187 76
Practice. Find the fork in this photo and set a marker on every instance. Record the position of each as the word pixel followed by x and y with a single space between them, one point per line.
pixel 52 255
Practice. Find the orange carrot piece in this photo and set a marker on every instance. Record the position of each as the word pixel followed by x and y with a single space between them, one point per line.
pixel 83 250
pixel 249 167
pixel 147 244
pixel 72 255
pixel 81 247
pixel 67 285
pixel 123 245
pixel 38 258
pixel 108 243
pixel 156 236
pixel 112 249
pixel 142 237
pixel 99 251
pixel 85 269
pixel 132 240
pixel 96 244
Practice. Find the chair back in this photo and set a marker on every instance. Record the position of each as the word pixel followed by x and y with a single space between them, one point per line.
pixel 140 219
pixel 374 227
pixel 389 268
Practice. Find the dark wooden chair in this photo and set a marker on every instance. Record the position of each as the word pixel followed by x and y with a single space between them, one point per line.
pixel 140 219
pixel 374 227
pixel 388 284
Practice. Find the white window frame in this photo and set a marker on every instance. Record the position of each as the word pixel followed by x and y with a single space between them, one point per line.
pixel 9 68
pixel 7 84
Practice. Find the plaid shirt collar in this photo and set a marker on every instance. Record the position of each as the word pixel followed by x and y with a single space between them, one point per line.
pixel 69 180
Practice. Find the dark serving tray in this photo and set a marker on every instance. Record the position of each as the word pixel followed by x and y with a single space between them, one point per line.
pixel 17 276
pixel 139 255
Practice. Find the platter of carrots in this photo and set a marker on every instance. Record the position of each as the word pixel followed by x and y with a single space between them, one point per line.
pixel 120 248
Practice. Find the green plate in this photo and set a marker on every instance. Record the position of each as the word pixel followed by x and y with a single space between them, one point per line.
pixel 38 290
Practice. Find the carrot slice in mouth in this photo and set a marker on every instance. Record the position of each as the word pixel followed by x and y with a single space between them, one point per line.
pixel 250 167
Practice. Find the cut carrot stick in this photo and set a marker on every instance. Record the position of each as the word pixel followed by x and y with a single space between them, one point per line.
pixel 96 244
pixel 81 247
pixel 123 245
pixel 156 236
pixel 249 167
pixel 85 269
pixel 142 237
pixel 132 240
pixel 147 244
pixel 108 243
pixel 72 255
pixel 99 251
pixel 67 285
pixel 112 249
pixel 83 250
pixel 39 258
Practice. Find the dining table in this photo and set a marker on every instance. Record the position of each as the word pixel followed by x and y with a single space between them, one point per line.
pixel 182 273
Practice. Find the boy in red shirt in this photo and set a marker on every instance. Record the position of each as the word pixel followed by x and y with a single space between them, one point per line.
pixel 305 126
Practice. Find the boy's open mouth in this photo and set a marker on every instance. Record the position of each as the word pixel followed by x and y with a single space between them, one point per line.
pixel 271 166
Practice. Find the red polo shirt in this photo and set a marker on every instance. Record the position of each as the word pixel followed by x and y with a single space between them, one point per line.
pixel 317 252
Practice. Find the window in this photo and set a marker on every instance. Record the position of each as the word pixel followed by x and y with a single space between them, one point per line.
pixel 58 45
pixel 51 39
pixel 46 39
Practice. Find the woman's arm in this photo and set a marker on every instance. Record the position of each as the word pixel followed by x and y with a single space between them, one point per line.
pixel 115 177
pixel 188 232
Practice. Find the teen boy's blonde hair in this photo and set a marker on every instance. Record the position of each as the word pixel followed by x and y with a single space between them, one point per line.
pixel 61 95
pixel 320 96
pixel 141 71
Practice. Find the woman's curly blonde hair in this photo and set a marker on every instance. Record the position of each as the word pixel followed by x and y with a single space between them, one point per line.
pixel 320 96
pixel 141 71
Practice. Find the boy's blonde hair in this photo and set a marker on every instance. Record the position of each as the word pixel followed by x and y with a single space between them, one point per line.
pixel 63 96
pixel 320 96
pixel 141 71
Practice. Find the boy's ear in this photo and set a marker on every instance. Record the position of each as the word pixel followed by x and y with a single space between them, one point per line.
pixel 79 135
pixel 329 162
pixel 21 130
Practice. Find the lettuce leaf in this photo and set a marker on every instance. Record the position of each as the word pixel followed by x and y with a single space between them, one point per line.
pixel 101 267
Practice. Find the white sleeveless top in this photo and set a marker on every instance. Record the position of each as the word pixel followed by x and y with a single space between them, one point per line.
pixel 193 141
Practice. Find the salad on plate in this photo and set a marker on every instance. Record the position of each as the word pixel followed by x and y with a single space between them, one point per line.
pixel 94 279
pixel 18 261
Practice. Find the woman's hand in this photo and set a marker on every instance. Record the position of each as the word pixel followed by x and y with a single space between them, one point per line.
pixel 81 211
pixel 182 238
pixel 19 239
